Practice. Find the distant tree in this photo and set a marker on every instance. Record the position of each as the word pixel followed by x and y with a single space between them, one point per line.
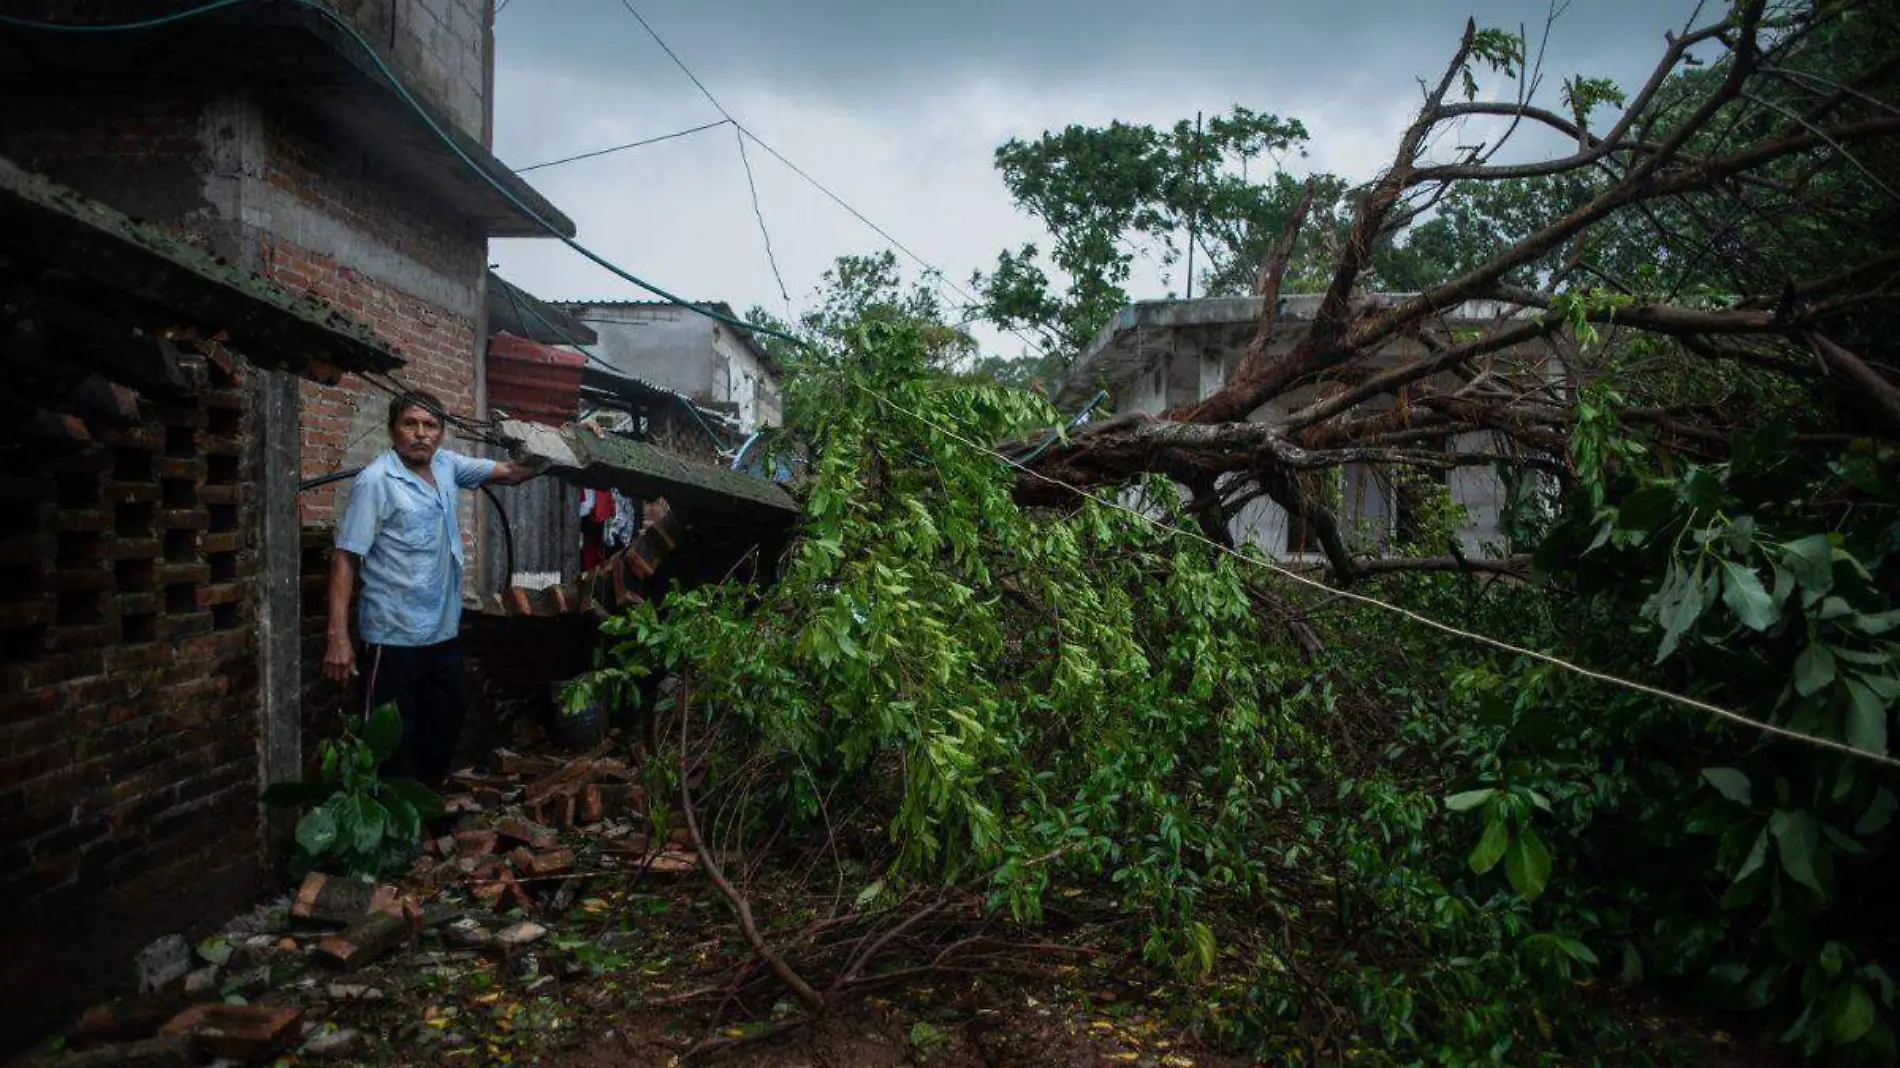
pixel 1111 194
pixel 858 289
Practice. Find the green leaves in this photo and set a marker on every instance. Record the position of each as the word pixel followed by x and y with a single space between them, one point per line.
pixel 1742 592
pixel 317 831
pixel 1508 836
pixel 383 732
pixel 1810 561
pixel 1527 863
pixel 1685 593
pixel 1813 669
pixel 358 821
pixel 1849 1014
pixel 1797 836
pixel 1468 800
pixel 1866 718
pixel 1728 782
pixel 1492 846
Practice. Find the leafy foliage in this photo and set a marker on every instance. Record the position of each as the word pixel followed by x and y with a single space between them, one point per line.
pixel 359 822
pixel 1114 193
pixel 1058 701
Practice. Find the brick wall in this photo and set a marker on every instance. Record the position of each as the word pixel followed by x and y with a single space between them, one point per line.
pixel 128 731
pixel 344 425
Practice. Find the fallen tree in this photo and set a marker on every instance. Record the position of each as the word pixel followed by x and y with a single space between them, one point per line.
pixel 1717 223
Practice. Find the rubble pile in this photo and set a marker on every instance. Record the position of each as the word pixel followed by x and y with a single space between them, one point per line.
pixel 519 849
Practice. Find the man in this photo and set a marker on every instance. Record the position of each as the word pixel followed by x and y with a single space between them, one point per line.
pixel 401 531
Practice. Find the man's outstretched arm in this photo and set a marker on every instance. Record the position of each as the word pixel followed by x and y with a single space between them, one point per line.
pixel 515 472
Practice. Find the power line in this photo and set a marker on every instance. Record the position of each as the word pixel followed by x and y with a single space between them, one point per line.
pixel 931 271
pixel 677 61
pixel 766 235
pixel 1405 613
pixel 621 148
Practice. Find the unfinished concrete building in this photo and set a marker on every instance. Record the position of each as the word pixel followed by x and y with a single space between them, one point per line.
pixel 1157 355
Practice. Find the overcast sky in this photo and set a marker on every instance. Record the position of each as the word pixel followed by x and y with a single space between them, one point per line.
pixel 898 106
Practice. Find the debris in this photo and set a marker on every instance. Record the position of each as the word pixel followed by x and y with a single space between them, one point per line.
pixel 479 843
pixel 331 899
pixel 173 1051
pixel 521 934
pixel 131 1017
pixel 353 992
pixel 203 982
pixel 240 1032
pixel 163 962
pixel 500 892
pixel 326 1044
pixel 518 831
pixel 469 932
pixel 366 941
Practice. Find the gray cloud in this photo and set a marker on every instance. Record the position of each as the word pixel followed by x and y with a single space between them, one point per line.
pixel 898 108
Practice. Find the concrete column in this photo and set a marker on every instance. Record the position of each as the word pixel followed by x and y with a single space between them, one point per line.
pixel 234 147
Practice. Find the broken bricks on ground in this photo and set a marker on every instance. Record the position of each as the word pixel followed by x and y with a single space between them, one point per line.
pixel 522 845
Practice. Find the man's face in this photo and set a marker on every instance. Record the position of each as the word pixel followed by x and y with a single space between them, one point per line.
pixel 416 436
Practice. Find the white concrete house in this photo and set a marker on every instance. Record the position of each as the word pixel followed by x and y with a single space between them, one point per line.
pixel 677 349
pixel 1157 355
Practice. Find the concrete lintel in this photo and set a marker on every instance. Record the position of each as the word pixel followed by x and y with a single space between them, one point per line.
pixel 294 220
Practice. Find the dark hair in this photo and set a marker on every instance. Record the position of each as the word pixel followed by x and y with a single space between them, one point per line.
pixel 414 398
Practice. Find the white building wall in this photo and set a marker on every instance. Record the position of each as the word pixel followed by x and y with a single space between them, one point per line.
pixel 1480 492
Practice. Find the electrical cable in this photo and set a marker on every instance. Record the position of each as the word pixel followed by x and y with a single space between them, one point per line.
pixel 507 535
pixel 622 148
pixel 930 269
pixel 752 186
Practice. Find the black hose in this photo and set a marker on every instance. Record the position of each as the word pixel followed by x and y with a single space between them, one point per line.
pixel 507 536
pixel 324 480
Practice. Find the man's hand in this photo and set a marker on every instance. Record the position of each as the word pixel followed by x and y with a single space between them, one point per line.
pixel 515 472
pixel 339 659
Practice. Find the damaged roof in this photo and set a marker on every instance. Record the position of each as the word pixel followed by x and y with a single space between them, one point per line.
pixel 599 461
pixel 82 245
pixel 514 310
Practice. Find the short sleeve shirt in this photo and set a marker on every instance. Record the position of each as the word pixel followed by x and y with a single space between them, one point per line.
pixel 410 540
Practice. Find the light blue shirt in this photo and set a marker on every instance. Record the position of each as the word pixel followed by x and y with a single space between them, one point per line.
pixel 410 540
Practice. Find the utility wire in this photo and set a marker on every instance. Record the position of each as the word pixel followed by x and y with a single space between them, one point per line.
pixel 1404 613
pixel 621 148
pixel 931 271
pixel 764 234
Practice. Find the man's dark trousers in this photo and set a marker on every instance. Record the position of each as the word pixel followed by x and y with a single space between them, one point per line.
pixel 426 683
